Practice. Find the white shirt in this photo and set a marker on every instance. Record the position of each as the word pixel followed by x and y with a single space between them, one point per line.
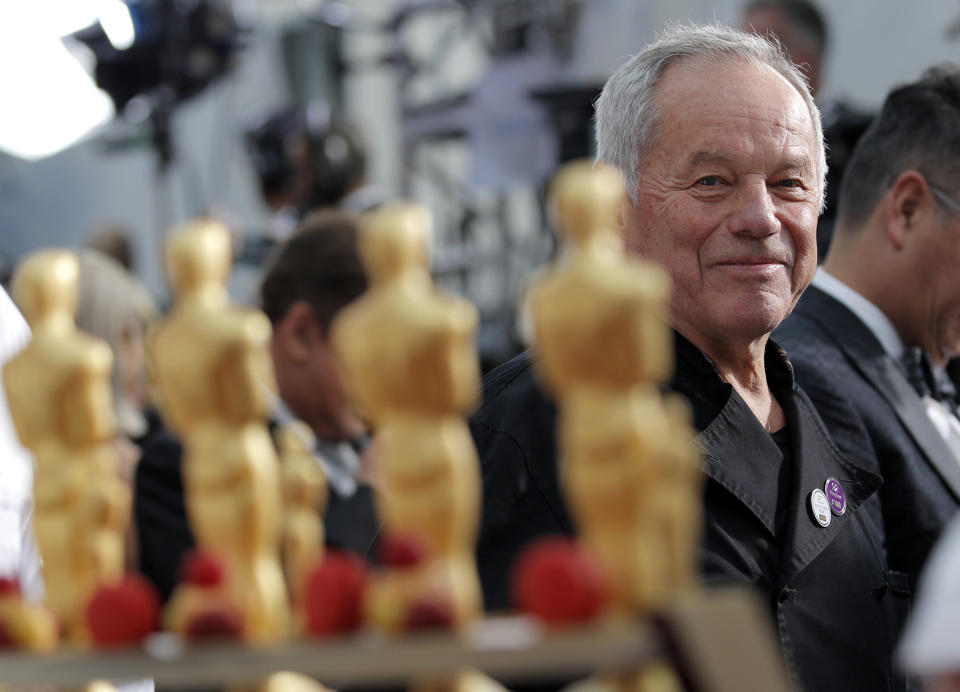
pixel 868 313
pixel 930 645
pixel 882 328
pixel 19 556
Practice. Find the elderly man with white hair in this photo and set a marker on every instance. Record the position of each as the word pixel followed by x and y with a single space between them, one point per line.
pixel 721 146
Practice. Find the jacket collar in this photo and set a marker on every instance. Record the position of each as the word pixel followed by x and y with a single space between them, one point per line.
pixel 738 452
pixel 866 355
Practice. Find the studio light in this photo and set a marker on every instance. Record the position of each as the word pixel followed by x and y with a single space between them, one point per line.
pixel 117 23
pixel 164 50
pixel 50 102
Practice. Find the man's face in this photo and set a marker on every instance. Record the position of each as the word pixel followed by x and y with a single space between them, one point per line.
pixel 728 198
pixel 937 286
pixel 308 378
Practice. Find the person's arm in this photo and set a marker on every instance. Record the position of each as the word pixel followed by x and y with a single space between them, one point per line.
pixel 31 567
pixel 14 336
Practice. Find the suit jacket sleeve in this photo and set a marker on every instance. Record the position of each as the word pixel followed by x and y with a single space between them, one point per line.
pixel 516 511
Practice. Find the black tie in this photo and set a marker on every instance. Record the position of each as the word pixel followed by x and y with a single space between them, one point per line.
pixel 927 380
pixel 917 368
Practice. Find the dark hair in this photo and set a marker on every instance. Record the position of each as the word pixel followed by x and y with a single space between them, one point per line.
pixel 917 128
pixel 802 15
pixel 318 264
pixel 338 158
pixel 335 149
pixel 114 240
pixel 269 141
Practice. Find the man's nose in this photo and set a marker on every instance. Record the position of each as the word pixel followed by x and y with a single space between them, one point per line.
pixel 755 212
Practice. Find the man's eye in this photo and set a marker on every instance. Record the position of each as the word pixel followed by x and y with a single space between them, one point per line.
pixel 709 180
pixel 790 182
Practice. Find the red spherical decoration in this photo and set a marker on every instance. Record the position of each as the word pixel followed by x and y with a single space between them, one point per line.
pixel 203 570
pixel 9 587
pixel 6 641
pixel 429 614
pixel 555 580
pixel 333 599
pixel 402 551
pixel 123 613
pixel 215 624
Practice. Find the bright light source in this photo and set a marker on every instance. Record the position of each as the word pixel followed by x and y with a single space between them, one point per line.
pixel 117 24
pixel 50 102
pixel 63 17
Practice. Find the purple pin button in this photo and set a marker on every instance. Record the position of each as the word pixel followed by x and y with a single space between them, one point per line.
pixel 836 496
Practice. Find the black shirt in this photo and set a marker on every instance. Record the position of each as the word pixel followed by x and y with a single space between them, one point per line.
pixel 164 533
pixel 781 516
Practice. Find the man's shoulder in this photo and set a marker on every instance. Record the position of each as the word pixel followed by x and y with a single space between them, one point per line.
pixel 515 434
pixel 514 431
pixel 808 321
pixel 513 397
pixel 816 337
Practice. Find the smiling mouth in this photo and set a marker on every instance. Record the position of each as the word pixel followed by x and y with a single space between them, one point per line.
pixel 751 261
pixel 753 265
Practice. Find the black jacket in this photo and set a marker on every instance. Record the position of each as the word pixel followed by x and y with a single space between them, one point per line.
pixel 875 416
pixel 164 533
pixel 836 607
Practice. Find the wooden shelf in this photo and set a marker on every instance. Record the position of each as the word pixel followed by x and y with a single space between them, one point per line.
pixel 510 648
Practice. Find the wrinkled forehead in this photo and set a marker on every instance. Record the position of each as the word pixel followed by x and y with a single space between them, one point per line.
pixel 729 92
pixel 699 84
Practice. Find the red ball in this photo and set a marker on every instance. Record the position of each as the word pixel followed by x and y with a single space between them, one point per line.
pixel 402 551
pixel 203 570
pixel 6 641
pixel 333 599
pixel 9 587
pixel 558 582
pixel 215 624
pixel 123 613
pixel 429 614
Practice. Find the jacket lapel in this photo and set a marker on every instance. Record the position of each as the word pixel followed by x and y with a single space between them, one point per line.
pixel 815 460
pixel 867 356
pixel 737 453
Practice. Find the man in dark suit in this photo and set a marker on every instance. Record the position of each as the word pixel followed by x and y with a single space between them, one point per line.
pixel 721 147
pixel 890 283
pixel 315 274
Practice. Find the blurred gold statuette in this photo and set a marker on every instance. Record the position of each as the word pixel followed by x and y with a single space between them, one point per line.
pixel 213 374
pixel 626 461
pixel 408 355
pixel 59 388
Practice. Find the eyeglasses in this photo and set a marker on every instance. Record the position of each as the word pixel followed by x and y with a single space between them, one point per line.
pixel 945 199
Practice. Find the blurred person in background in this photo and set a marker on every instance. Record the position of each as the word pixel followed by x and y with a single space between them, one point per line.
pixel 114 306
pixel 888 294
pixel 803 33
pixel 306 158
pixel 930 647
pixel 799 27
pixel 115 240
pixel 312 276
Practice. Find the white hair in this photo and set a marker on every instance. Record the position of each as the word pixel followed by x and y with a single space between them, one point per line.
pixel 627 116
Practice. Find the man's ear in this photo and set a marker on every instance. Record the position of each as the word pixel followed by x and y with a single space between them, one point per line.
pixel 908 199
pixel 295 332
